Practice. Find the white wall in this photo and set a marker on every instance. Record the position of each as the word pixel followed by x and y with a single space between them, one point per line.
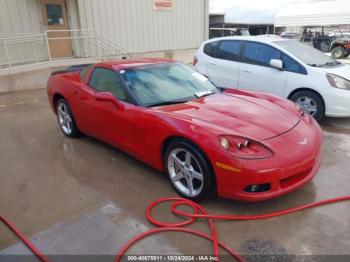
pixel 131 23
pixel 21 17
pixel 18 17
pixel 134 25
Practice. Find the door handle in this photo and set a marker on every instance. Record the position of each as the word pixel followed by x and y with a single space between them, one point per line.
pixel 212 64
pixel 75 91
pixel 246 71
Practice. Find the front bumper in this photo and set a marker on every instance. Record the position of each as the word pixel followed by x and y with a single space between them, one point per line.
pixel 298 155
pixel 337 103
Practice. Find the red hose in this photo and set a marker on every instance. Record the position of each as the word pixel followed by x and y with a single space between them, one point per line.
pixel 19 234
pixel 198 212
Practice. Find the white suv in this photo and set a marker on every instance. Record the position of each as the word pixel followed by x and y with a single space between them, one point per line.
pixel 287 68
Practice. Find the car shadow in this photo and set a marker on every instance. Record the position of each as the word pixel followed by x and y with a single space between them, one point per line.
pixel 142 179
pixel 336 125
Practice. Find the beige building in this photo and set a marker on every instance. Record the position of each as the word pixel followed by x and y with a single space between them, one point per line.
pixel 47 31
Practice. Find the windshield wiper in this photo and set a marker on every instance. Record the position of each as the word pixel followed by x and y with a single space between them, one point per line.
pixel 173 102
pixel 331 63
pixel 313 65
pixel 166 103
pixel 203 93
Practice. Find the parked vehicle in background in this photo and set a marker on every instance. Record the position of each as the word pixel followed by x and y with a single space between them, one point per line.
pixel 220 32
pixel 317 83
pixel 322 43
pixel 290 35
pixel 337 43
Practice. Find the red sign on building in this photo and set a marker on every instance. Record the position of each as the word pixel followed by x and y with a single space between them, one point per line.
pixel 162 5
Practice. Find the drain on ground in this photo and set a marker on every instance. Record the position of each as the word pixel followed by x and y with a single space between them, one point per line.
pixel 263 250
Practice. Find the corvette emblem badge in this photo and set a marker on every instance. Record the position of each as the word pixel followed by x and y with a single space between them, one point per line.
pixel 304 142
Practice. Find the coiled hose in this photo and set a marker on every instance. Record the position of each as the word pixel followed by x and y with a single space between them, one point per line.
pixel 198 212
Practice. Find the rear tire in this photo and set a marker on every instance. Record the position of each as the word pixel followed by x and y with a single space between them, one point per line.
pixel 188 170
pixel 311 103
pixel 66 119
pixel 338 52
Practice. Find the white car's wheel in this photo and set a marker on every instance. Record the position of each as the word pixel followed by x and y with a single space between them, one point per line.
pixel 310 102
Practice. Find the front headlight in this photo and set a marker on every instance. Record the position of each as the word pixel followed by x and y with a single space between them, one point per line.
pixel 338 82
pixel 245 148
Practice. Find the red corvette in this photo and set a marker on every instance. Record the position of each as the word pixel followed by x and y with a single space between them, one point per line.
pixel 236 144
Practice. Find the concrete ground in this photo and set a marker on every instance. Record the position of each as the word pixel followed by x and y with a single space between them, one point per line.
pixel 83 197
pixel 345 60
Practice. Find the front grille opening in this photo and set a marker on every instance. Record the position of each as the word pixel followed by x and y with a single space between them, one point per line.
pixel 295 178
pixel 258 188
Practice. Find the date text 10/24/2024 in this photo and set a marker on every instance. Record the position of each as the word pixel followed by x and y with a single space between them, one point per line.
pixel 172 258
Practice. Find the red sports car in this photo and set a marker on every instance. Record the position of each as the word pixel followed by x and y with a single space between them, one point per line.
pixel 236 144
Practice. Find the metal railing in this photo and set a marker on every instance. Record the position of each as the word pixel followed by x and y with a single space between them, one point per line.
pixel 24 50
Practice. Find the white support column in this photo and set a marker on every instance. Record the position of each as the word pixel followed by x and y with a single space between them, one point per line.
pixel 7 55
pixel 206 20
pixel 48 46
pixel 35 53
pixel 98 46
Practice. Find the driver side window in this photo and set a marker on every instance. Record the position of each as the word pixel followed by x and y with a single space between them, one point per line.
pixel 105 80
pixel 260 54
pixel 291 65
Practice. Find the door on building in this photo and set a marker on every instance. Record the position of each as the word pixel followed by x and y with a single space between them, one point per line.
pixel 54 14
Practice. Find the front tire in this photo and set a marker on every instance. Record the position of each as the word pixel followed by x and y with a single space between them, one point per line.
pixel 189 171
pixel 338 52
pixel 311 103
pixel 66 119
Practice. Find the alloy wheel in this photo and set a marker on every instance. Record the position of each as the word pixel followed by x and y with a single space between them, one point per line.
pixel 185 172
pixel 64 118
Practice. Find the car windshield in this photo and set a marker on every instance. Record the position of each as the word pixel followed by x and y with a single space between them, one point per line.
pixel 166 83
pixel 306 53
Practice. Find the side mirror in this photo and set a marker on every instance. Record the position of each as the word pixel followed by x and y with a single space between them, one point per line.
pixel 276 63
pixel 108 97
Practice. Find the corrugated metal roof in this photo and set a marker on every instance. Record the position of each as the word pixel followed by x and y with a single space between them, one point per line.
pixel 335 12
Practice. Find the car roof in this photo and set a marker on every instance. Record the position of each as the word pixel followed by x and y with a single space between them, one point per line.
pixel 258 38
pixel 129 63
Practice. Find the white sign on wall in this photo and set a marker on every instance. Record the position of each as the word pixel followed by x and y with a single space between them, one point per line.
pixel 162 5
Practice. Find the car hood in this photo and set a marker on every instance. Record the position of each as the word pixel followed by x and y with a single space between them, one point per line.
pixel 342 70
pixel 252 117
